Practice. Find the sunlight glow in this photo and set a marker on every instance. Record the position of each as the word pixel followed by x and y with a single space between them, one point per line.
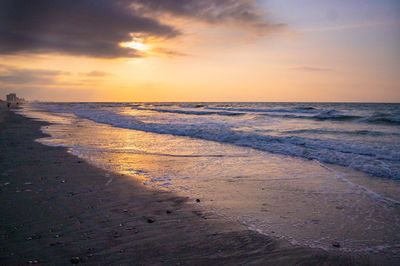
pixel 137 44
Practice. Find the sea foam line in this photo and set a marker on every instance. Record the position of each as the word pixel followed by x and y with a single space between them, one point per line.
pixel 342 177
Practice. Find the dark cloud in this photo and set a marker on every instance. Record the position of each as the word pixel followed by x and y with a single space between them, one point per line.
pixel 311 68
pixel 240 12
pixel 96 27
pixel 84 27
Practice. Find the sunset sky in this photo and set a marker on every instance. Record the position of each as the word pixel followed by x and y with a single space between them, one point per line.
pixel 208 50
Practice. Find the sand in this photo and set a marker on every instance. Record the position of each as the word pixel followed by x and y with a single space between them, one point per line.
pixel 54 207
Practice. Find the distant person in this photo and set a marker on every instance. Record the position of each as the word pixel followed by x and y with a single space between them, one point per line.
pixel 8 105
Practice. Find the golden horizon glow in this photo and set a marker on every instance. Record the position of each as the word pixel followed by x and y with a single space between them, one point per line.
pixel 342 60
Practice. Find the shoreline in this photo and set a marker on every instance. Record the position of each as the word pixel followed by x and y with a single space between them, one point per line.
pixel 56 206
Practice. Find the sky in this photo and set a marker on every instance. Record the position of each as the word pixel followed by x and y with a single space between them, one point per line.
pixel 209 50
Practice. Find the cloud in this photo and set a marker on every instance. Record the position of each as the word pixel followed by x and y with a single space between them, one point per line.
pixel 47 93
pixel 96 74
pixel 95 28
pixel 311 68
pixel 168 52
pixel 84 27
pixel 12 75
pixel 371 24
pixel 240 12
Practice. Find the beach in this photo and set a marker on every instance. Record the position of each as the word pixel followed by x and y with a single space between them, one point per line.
pixel 217 132
pixel 55 207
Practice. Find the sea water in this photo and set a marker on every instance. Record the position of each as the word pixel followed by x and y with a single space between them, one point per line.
pixel 311 173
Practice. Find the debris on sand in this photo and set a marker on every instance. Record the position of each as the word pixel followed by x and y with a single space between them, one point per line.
pixel 75 260
pixel 34 236
pixel 116 235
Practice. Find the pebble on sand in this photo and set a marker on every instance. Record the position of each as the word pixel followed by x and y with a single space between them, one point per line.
pixel 336 244
pixel 197 200
pixel 150 220
pixel 75 260
pixel 34 236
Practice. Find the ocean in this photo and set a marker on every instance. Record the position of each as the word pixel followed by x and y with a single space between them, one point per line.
pixel 309 173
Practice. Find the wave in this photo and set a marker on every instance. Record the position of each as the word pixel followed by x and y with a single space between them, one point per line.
pixel 189 112
pixel 335 115
pixel 342 132
pixel 309 112
pixel 319 117
pixel 332 115
pixel 297 112
pixel 378 157
pixel 266 110
pixel 373 159
pixel 306 108
pixel 383 118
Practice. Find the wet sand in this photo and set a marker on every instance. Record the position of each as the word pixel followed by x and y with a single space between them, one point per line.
pixel 54 207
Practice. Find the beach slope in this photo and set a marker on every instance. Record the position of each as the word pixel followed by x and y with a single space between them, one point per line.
pixel 56 208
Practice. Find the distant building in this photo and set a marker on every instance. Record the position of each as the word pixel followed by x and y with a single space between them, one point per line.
pixel 12 98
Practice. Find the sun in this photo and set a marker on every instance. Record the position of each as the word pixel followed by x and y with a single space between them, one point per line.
pixel 136 44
